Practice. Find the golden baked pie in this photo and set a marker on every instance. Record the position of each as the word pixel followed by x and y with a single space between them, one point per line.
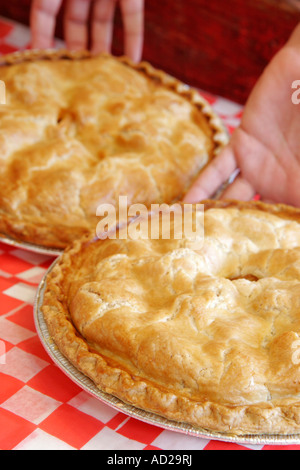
pixel 78 131
pixel 209 337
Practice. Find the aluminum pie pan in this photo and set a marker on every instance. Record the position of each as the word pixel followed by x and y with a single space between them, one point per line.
pixel 86 384
pixel 29 246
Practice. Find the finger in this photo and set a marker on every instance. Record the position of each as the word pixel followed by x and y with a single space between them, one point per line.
pixel 133 19
pixel 42 22
pixel 213 176
pixel 240 189
pixel 102 25
pixel 76 24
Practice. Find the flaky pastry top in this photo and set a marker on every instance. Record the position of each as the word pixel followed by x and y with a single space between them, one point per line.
pixel 77 132
pixel 207 336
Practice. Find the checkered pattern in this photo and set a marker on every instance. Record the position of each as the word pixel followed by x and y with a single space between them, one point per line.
pixel 40 407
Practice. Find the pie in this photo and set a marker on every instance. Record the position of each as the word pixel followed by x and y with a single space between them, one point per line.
pixel 207 336
pixel 80 130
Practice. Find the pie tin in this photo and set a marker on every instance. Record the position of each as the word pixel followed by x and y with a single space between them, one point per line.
pixel 88 385
pixel 29 246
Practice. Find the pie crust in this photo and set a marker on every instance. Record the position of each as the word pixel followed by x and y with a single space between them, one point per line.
pixel 80 130
pixel 208 337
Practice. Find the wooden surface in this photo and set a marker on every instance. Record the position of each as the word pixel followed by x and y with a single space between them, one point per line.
pixel 221 47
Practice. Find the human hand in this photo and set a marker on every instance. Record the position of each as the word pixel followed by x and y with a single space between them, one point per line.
pixel 43 20
pixel 266 146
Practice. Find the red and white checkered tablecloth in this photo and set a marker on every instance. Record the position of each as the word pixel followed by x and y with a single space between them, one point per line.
pixel 40 407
